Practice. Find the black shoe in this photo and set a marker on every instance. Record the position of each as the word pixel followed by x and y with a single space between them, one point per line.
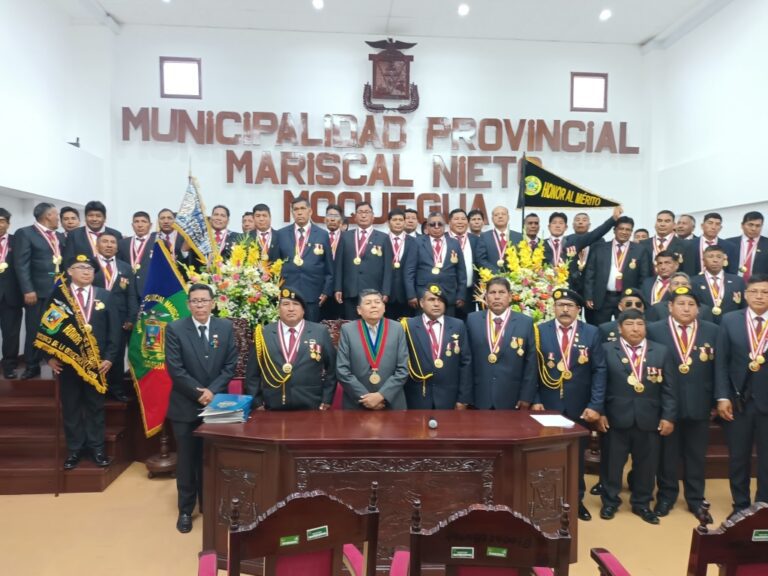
pixel 584 513
pixel 30 373
pixel 596 490
pixel 73 459
pixel 9 373
pixel 646 514
pixel 607 512
pixel 184 523
pixel 696 511
pixel 101 460
pixel 662 508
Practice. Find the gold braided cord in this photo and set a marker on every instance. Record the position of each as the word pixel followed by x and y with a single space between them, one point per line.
pixel 544 376
pixel 268 368
pixel 420 374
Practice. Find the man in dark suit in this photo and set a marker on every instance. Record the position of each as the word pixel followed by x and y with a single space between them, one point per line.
pixel 363 262
pixel 83 240
pixel 571 368
pixel 531 227
pixel 264 233
pixel 665 239
pixel 741 390
pixel 168 235
pixel 402 249
pixel 503 352
pixel 307 260
pixel 684 227
pixel 439 361
pixel 692 344
pixel 70 219
pixel 37 260
pixel 611 268
pixel 136 250
pixel 436 259
pixel 82 406
pixel 710 230
pixel 224 237
pixel 492 244
pixel 581 225
pixel 751 247
pixel 476 222
pixel 458 229
pixel 334 218
pixel 722 292
pixel 412 222
pixel 655 288
pixel 293 365
pixel 10 298
pixel 200 356
pixel 116 276
pixel 660 310
pixel 640 407
pixel 372 359
pixel 630 298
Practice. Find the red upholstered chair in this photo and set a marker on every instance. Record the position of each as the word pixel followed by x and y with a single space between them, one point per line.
pixel 306 535
pixel 206 563
pixel 607 563
pixel 739 545
pixel 490 541
pixel 334 329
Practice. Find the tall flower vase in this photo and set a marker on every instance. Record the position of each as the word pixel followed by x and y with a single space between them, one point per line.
pixel 244 342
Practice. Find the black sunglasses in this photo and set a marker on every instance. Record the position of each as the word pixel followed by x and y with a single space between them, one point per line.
pixel 436 224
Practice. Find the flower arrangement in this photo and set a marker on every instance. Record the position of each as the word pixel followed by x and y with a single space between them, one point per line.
pixel 532 279
pixel 247 286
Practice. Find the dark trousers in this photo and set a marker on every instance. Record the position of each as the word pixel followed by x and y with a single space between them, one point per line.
pixel 686 445
pixel 189 465
pixel 644 448
pixel 331 310
pixel 397 310
pixel 116 374
pixel 10 328
pixel 32 315
pixel 608 309
pixel 747 427
pixel 82 409
pixel 350 309
pixel 312 311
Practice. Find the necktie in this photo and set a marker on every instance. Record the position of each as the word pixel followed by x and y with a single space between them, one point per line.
pixel 397 244
pixel 498 327
pixel 619 281
pixel 81 298
pixel 264 238
pixel 565 339
pixel 684 336
pixel 291 339
pixel 710 242
pixel 51 236
pixel 758 326
pixel 218 237
pixel 460 238
pixel 715 287
pixel 635 355
pixel 748 259
pixel 168 244
pixel 660 244
pixel 203 339
pixel 433 338
pixel 534 243
pixel 301 235
pixel 438 249
pixel 557 243
pixel 108 273
pixel 363 234
pixel 556 255
pixel 502 241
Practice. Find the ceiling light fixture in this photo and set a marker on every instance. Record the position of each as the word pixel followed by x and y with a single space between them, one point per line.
pixel 463 9
pixel 605 15
pixel 318 4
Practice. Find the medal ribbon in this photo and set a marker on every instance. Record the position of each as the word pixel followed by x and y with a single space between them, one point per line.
pixel 501 245
pixel 703 245
pixel 302 243
pixel 361 239
pixel 85 307
pixel 494 339
pixel 684 349
pixel 51 239
pixel 635 365
pixel 714 289
pixel 289 352
pixel 557 248
pixel 4 244
pixel 438 252
pixel 660 290
pixel 747 262
pixel 435 331
pixel 397 247
pixel 566 353
pixel 222 240
pixel 109 274
pixel 619 263
pixel 756 341
pixel 374 352
pixel 93 238
pixel 264 240
pixel 138 253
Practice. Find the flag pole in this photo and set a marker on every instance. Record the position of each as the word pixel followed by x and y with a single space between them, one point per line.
pixel 57 466
pixel 521 193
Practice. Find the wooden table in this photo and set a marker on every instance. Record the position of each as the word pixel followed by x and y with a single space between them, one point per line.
pixel 499 457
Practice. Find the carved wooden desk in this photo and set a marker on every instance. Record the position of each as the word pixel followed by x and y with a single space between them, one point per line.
pixel 500 457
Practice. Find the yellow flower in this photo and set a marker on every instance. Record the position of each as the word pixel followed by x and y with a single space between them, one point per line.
pixel 253 254
pixel 237 256
pixel 485 275
pixel 276 268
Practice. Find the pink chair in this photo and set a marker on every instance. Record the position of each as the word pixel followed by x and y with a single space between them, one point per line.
pixel 490 541
pixel 739 545
pixel 607 563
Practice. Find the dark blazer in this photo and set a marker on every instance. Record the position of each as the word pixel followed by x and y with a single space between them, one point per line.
pixel 647 289
pixel 468 292
pixel 33 260
pixel 452 277
pixel 78 242
pixel 599 265
pixel 586 389
pixel 105 323
pixel 10 293
pixel 123 291
pixel 759 256
pixel 398 295
pixel 231 239
pixel 487 255
pixel 575 243
pixel 273 250
pixel 660 311
pixel 374 270
pixel 448 385
pixel 695 389
pixel 624 407
pixel 192 365
pixel 312 381
pixel 609 331
pixel 513 377
pixel 733 298
pixel 692 262
pixel 124 254
pixel 732 360
pixel 315 276
pixel 354 370
pixel 676 246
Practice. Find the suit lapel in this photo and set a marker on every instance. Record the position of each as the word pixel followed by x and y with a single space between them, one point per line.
pixel 422 340
pixel 194 338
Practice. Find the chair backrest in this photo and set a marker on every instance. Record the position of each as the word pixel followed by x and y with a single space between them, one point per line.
pixel 487 539
pixel 739 545
pixel 304 535
pixel 607 563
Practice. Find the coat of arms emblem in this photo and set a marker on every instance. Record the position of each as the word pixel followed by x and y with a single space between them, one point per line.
pixel 391 77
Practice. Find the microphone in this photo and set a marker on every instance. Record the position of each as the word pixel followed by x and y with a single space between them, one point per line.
pixel 432 424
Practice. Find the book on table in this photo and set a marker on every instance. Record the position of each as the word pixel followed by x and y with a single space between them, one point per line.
pixel 227 409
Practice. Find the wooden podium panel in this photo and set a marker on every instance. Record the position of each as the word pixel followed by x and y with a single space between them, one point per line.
pixel 498 457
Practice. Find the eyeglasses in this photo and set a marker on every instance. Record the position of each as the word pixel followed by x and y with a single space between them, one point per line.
pixel 436 224
pixel 200 301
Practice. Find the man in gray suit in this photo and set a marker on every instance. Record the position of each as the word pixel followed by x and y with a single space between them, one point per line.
pixel 372 360
pixel 200 356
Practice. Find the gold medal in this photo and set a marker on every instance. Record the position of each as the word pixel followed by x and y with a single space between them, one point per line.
pixel 639 388
pixel 500 263
pixel 492 358
pixel 689 361
pixel 754 366
pixel 632 265
pixel 88 328
pixel 684 369
pixel 438 363
pixel 356 261
pixel 716 310
pixel 456 349
pixel 742 269
pixel 583 359
pixel 3 267
pixel 448 353
pixel 567 375
pixel 287 367
pixel 760 359
pixel 561 366
pixel 396 265
pixel 435 270
pixel 703 356
pixel 632 380
pixel 625 360
pixel 454 258
pixel 136 268
pixel 551 364
pixel 619 276
pixel 264 256
pixel 520 352
pixel 297 260
pixel 513 343
pixel 374 378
